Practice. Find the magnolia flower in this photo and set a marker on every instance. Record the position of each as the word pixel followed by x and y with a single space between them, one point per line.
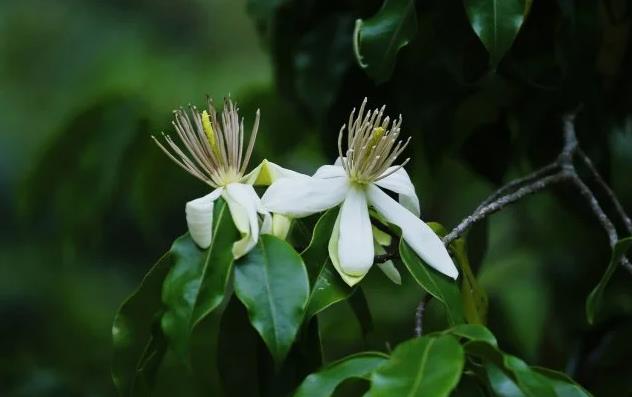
pixel 355 182
pixel 214 154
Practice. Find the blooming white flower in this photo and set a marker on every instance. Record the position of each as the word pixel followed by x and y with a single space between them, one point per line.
pixel 213 153
pixel 355 182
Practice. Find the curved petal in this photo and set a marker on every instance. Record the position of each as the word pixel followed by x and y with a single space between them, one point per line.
pixel 355 246
pixel 399 182
pixel 243 203
pixel 281 225
pixel 267 173
pixel 416 233
pixel 299 197
pixel 199 214
pixel 387 267
pixel 333 255
pixel 330 171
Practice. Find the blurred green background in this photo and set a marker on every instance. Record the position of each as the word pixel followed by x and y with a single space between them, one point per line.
pixel 88 203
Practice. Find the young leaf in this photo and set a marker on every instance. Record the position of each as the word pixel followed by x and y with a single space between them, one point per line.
pixel 426 366
pixel 137 341
pixel 496 23
pixel 196 284
pixel 271 281
pixel 324 382
pixel 439 286
pixel 327 285
pixel 596 296
pixel 378 39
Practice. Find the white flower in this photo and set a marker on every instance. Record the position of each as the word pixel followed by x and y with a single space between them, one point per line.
pixel 214 154
pixel 355 183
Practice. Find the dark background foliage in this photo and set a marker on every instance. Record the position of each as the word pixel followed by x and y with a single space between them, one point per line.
pixel 87 202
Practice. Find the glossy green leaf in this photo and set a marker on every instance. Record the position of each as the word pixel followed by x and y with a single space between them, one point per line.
pixel 196 284
pixel 271 281
pixel 564 385
pixel 360 307
pixel 596 296
pixel 528 381
pixel 137 341
pixel 501 384
pixel 426 366
pixel 496 23
pixel 436 284
pixel 473 332
pixel 378 39
pixel 324 382
pixel 473 295
pixel 327 285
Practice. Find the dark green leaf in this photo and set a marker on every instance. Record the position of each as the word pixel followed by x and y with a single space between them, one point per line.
pixel 271 281
pixel 378 39
pixel 496 23
pixel 439 286
pixel 426 366
pixel 360 308
pixel 237 352
pixel 324 382
pixel 197 282
pixel 137 340
pixel 596 296
pixel 327 285
pixel 564 386
pixel 500 383
pixel 473 332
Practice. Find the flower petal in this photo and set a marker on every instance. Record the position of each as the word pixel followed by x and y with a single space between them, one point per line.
pixel 243 203
pixel 416 233
pixel 299 197
pixel 399 182
pixel 280 225
pixel 333 255
pixel 199 214
pixel 355 246
pixel 267 173
pixel 330 171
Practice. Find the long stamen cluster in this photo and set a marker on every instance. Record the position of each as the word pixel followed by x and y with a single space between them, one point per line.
pixel 213 153
pixel 372 147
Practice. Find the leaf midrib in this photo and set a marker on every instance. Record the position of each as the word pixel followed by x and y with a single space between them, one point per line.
pixel 422 364
pixel 269 295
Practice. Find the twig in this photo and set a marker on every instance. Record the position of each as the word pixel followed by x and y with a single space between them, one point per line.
pixel 419 315
pixel 502 202
pixel 613 198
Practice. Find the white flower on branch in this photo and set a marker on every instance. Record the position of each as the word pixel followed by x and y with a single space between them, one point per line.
pixel 355 182
pixel 213 153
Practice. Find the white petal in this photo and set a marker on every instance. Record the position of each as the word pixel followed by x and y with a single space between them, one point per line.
pixel 387 267
pixel 299 197
pixel 416 233
pixel 267 173
pixel 330 171
pixel 199 214
pixel 333 255
pixel 243 203
pixel 399 182
pixel 339 161
pixel 355 246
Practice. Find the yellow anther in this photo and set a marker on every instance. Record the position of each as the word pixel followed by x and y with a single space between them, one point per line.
pixel 376 135
pixel 208 129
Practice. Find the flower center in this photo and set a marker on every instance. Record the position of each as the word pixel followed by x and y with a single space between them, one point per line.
pixel 372 146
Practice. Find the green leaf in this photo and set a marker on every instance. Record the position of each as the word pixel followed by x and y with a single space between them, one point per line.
pixel 436 284
pixel 500 383
pixel 360 307
pixel 496 23
pixel 473 295
pixel 564 386
pixel 473 332
pixel 596 296
pixel 324 382
pixel 196 284
pixel 378 39
pixel 137 341
pixel 426 366
pixel 271 281
pixel 527 381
